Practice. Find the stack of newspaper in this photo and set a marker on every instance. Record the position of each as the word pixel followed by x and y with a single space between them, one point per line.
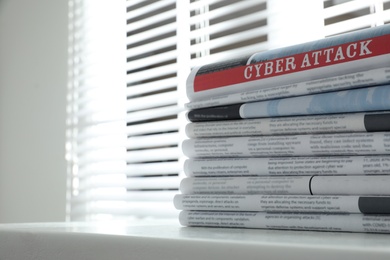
pixel 292 138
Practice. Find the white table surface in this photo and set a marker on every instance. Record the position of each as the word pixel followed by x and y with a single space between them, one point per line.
pixel 168 240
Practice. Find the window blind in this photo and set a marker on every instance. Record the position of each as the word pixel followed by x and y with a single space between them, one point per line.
pixel 348 15
pixel 152 107
pixel 128 62
pixel 95 149
pixel 164 40
pixel 124 156
pixel 224 29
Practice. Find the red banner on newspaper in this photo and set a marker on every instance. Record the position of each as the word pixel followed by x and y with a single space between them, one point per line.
pixel 342 53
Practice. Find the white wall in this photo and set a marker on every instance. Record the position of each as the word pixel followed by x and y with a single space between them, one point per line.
pixel 33 72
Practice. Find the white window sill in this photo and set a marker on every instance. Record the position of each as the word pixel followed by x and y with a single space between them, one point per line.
pixel 168 240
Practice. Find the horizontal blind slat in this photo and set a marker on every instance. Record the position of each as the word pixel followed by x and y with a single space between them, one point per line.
pixel 136 25
pixel 85 118
pixel 232 8
pixel 132 3
pixel 129 196
pixel 230 39
pixel 101 142
pixel 147 35
pixel 151 183
pixel 135 169
pixel 229 54
pixel 102 129
pixel 108 154
pixel 152 46
pixel 229 24
pixel 153 168
pixel 153 155
pixel 353 24
pixel 153 72
pixel 152 114
pixel 152 60
pixel 159 126
pixel 155 6
pixel 343 8
pixel 157 85
pixel 164 139
pixel 133 183
pixel 157 100
pixel 102 168
pixel 196 5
